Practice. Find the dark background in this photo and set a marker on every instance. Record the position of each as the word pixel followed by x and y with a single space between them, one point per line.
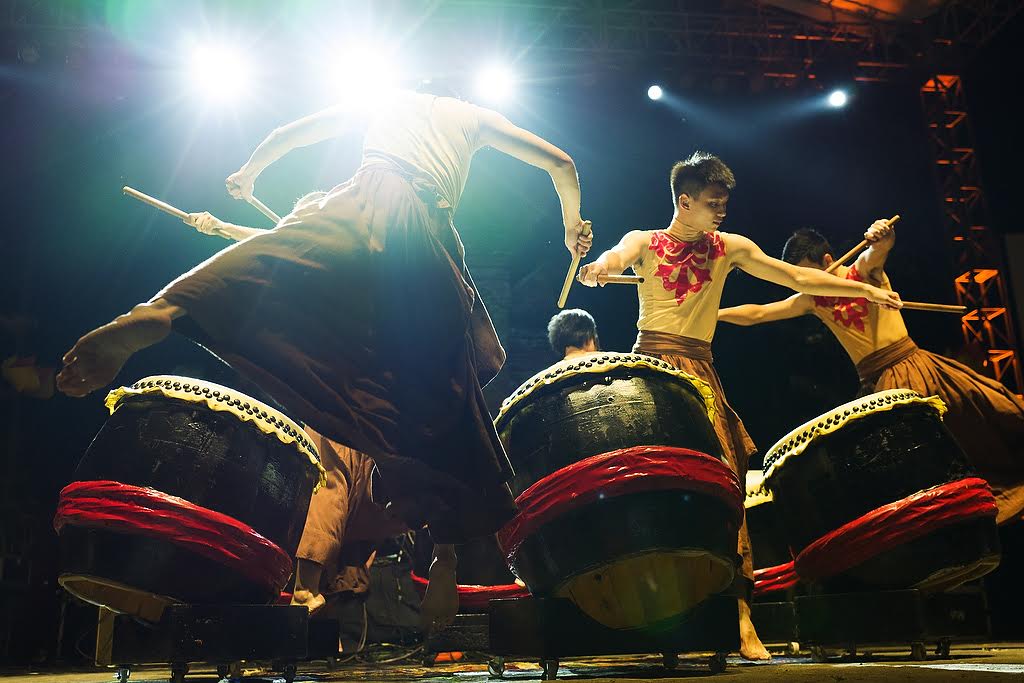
pixel 75 252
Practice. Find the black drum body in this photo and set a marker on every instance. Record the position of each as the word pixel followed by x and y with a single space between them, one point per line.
pixel 209 457
pixel 647 513
pixel 600 403
pixel 866 455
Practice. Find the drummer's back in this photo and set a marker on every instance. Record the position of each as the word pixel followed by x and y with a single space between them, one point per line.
pixel 683 283
pixel 436 135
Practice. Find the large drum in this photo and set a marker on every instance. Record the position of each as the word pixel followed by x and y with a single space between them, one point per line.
pixel 774 573
pixel 876 494
pixel 626 505
pixel 191 492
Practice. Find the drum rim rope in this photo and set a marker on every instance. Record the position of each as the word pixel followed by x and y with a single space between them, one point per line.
pixel 225 399
pixel 599 363
pixel 756 492
pixel 795 442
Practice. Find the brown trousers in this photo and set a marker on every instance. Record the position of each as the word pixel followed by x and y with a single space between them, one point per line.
pixel 342 522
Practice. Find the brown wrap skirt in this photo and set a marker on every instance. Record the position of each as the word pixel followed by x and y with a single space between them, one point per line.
pixel 694 356
pixel 985 417
pixel 357 314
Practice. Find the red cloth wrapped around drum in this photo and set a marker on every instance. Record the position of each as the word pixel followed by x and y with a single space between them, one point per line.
pixel 626 506
pixel 190 492
pixel 774 572
pixel 877 494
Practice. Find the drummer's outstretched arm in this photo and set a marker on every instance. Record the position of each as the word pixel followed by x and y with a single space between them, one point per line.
pixel 308 130
pixel 755 314
pixel 748 257
pixel 612 262
pixel 498 132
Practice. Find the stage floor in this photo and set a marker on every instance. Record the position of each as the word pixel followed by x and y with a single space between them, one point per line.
pixel 994 662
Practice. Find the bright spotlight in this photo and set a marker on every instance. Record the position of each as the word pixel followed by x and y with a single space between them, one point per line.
pixel 219 72
pixel 495 83
pixel 363 73
pixel 655 92
pixel 837 98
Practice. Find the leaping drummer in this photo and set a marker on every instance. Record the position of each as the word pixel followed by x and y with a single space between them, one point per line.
pixel 358 315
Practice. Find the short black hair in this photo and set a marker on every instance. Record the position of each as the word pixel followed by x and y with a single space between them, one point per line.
pixel 806 243
pixel 694 175
pixel 572 327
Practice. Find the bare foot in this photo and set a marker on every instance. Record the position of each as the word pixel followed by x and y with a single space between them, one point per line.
pixel 95 359
pixel 750 644
pixel 440 602
pixel 309 600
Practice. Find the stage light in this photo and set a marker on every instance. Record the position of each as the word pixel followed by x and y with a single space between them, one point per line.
pixel 495 83
pixel 837 98
pixel 655 92
pixel 361 74
pixel 219 72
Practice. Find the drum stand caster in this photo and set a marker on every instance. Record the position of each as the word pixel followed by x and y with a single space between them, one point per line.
pixel 230 672
pixel 288 671
pixel 123 674
pixel 819 655
pixel 942 648
pixel 716 662
pixel 918 652
pixel 178 671
pixel 549 669
pixel 670 660
pixel 793 648
pixel 495 667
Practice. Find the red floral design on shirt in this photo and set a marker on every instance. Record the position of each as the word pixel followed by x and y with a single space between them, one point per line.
pixel 845 311
pixel 686 266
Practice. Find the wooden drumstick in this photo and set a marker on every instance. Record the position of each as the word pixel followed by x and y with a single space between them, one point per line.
pixel 938 308
pixel 621 279
pixel 853 252
pixel 262 208
pixel 153 201
pixel 571 275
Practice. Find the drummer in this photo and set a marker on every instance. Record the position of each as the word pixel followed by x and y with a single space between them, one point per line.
pixel 986 418
pixel 684 268
pixel 573 332
pixel 319 312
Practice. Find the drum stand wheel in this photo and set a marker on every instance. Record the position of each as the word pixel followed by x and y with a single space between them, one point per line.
pixel 549 669
pixel 918 651
pixel 288 671
pixel 123 674
pixel 819 654
pixel 178 671
pixel 716 662
pixel 793 648
pixel 942 648
pixel 670 660
pixel 495 667
pixel 231 672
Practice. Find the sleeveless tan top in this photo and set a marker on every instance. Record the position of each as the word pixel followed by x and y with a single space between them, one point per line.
pixel 436 135
pixel 683 284
pixel 860 326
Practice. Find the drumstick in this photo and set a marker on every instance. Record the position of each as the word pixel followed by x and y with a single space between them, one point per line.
pixel 572 269
pixel 621 279
pixel 938 308
pixel 853 252
pixel 164 206
pixel 262 208
pixel 153 201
